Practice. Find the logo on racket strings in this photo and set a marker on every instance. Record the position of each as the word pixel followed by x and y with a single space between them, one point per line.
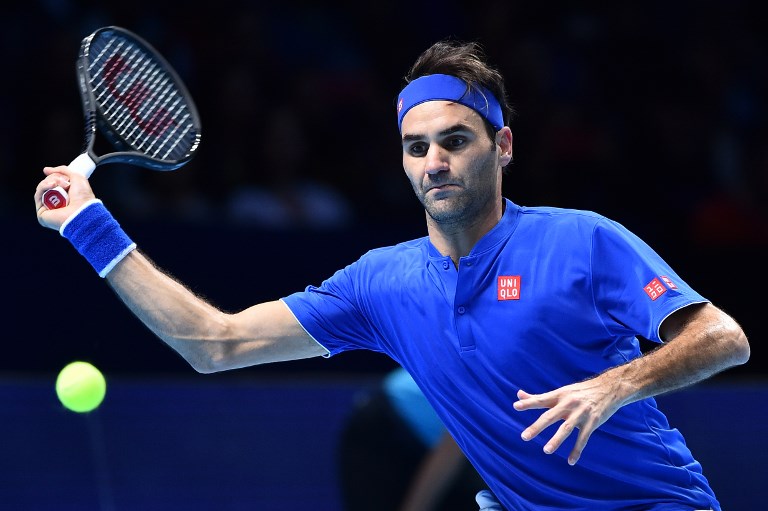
pixel 153 121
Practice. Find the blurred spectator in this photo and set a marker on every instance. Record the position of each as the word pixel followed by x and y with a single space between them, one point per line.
pixel 395 454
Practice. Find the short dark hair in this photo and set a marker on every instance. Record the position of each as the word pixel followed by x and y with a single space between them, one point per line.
pixel 466 61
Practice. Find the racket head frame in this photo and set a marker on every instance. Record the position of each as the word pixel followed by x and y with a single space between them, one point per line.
pixel 97 119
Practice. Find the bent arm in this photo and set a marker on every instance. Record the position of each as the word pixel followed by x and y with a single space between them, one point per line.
pixel 701 340
pixel 209 339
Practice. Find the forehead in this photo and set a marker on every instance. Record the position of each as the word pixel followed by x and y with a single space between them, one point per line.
pixel 438 115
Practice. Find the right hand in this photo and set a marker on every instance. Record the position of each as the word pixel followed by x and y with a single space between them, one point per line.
pixel 77 187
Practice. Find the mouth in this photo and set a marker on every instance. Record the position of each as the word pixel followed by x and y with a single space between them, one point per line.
pixel 442 187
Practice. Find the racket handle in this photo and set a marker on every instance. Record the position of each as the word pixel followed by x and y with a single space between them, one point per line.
pixel 56 198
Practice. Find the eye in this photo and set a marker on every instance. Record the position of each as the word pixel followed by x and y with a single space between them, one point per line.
pixel 455 142
pixel 418 149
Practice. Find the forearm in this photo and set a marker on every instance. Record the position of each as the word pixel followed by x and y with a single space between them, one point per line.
pixel 708 342
pixel 701 341
pixel 209 339
pixel 182 320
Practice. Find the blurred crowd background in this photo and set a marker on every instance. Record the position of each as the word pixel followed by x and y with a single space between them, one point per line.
pixel 652 113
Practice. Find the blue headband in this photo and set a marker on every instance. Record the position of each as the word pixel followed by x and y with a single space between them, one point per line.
pixel 449 88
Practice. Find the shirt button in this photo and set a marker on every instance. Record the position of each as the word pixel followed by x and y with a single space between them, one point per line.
pixel 469 263
pixel 445 265
pixel 462 310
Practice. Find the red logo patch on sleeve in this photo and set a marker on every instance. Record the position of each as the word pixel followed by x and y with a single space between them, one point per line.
pixel 508 287
pixel 655 289
pixel 669 283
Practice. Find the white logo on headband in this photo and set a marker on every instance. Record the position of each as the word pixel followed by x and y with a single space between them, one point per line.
pixel 399 105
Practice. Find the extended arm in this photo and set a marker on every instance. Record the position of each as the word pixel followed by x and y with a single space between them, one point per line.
pixel 209 339
pixel 700 341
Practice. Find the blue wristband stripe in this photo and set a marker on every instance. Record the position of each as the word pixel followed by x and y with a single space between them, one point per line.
pixel 98 237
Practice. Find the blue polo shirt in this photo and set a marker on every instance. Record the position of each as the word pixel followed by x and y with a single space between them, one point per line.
pixel 547 298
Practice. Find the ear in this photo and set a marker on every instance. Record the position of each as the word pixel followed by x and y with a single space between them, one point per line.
pixel 504 141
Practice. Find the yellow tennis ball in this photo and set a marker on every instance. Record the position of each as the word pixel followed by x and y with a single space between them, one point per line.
pixel 80 387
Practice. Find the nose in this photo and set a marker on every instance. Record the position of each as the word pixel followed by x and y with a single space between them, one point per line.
pixel 435 161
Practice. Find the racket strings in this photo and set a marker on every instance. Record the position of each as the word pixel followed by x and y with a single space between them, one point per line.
pixel 147 103
pixel 140 101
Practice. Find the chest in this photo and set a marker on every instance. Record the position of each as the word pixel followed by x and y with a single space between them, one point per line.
pixel 509 305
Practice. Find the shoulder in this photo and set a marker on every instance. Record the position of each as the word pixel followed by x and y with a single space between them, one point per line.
pixel 565 221
pixel 412 252
pixel 569 229
pixel 383 263
pixel 555 215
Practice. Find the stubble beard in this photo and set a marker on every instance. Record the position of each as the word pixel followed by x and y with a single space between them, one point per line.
pixel 462 208
pixel 459 210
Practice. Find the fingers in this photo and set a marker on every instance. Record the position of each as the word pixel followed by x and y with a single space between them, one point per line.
pixel 51 181
pixel 578 448
pixel 61 169
pixel 528 401
pixel 54 177
pixel 573 418
pixel 545 420
pixel 563 432
pixel 74 183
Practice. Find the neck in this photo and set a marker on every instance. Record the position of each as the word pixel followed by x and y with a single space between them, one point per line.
pixel 456 239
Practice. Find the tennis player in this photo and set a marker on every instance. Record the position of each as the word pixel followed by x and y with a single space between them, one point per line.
pixel 520 324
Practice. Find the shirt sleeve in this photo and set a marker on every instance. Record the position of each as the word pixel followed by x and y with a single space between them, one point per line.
pixel 634 288
pixel 331 313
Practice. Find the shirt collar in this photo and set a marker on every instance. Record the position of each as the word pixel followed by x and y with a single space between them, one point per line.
pixel 500 232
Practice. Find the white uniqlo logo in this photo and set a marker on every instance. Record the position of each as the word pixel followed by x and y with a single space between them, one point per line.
pixel 508 287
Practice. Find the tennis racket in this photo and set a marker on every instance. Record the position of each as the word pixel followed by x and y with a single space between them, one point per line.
pixel 134 98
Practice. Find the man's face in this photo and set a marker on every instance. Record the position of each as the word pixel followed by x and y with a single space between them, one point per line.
pixel 454 168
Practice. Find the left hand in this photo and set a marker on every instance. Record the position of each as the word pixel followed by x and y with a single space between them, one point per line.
pixel 584 406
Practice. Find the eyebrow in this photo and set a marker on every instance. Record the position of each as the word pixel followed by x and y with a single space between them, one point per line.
pixel 448 131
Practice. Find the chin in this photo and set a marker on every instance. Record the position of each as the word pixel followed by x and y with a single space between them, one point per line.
pixel 446 210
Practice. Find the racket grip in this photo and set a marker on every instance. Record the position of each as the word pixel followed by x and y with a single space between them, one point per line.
pixel 56 198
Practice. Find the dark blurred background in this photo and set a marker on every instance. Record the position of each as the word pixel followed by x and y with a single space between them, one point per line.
pixel 652 113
